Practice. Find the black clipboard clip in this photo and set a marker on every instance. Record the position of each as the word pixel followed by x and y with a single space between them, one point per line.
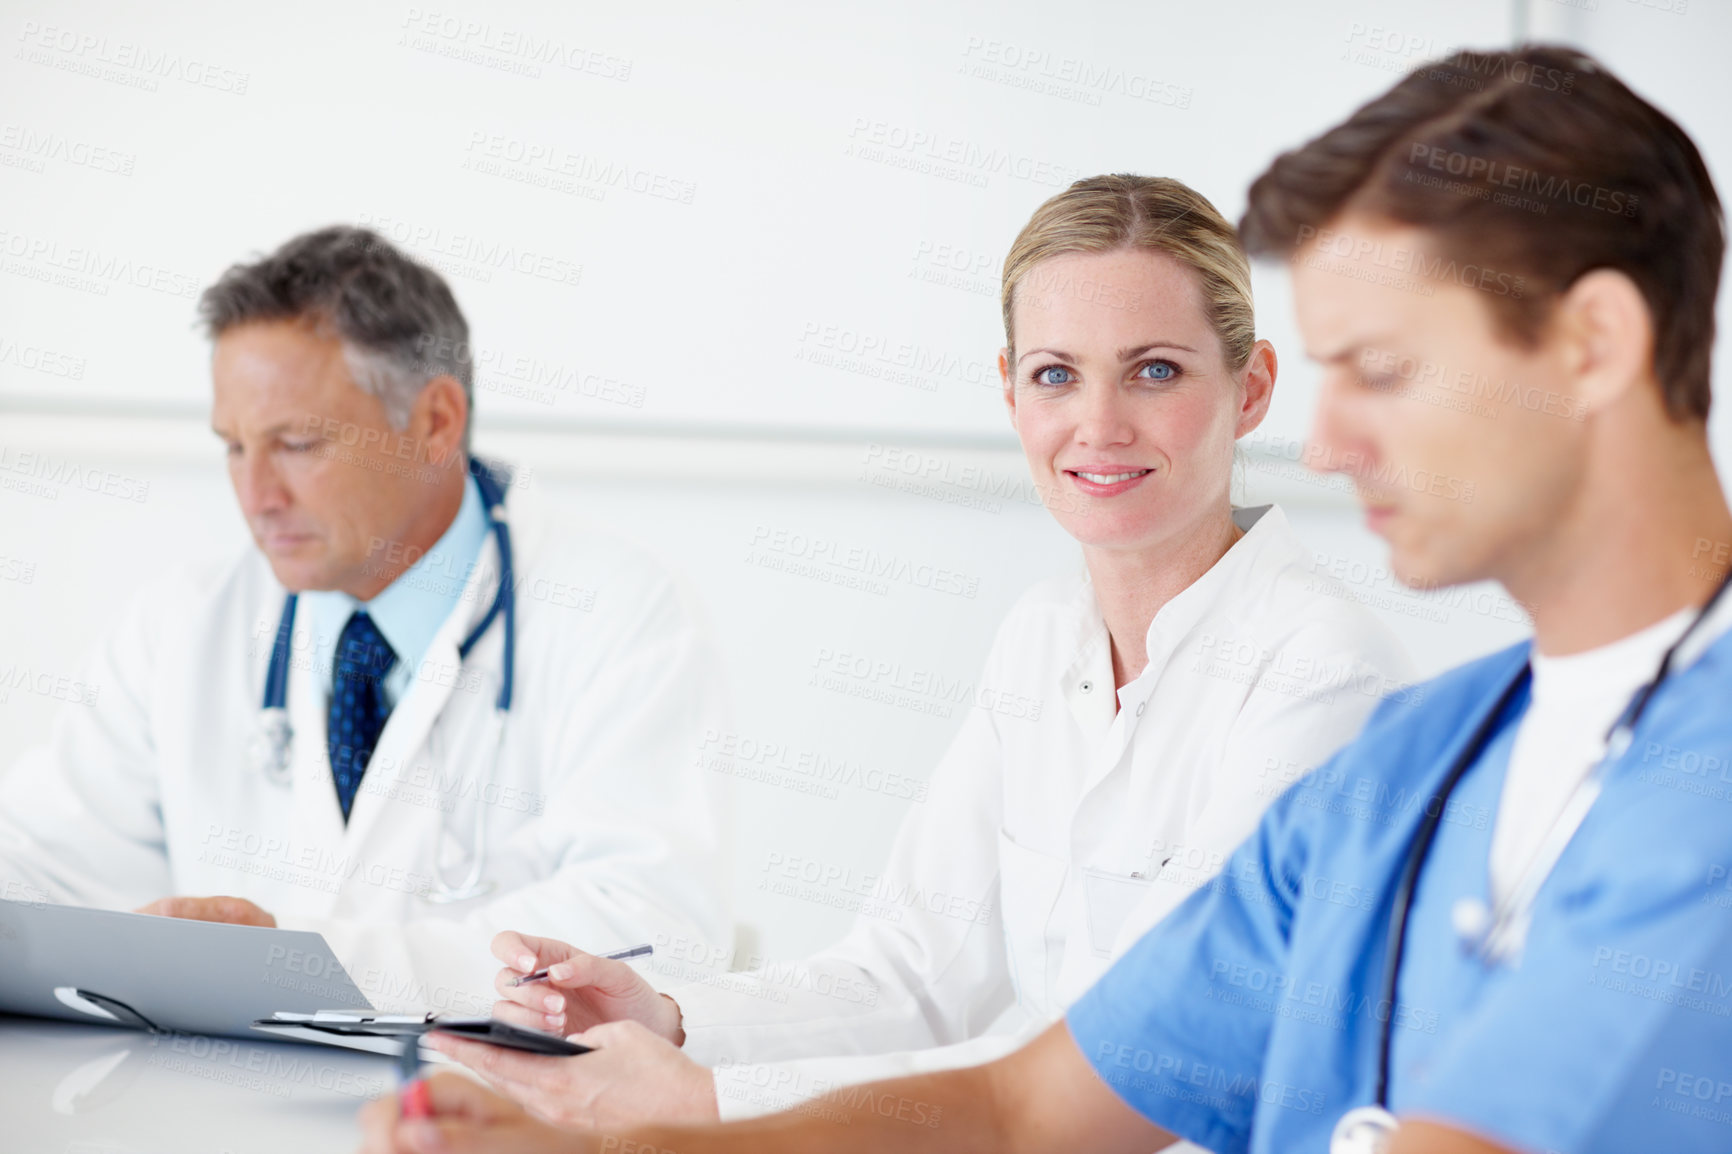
pixel 372 1024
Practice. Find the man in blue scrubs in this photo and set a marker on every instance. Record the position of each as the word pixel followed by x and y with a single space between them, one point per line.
pixel 1507 268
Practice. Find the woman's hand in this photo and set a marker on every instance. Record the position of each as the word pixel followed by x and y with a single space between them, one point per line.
pixel 467 1119
pixel 630 1078
pixel 581 992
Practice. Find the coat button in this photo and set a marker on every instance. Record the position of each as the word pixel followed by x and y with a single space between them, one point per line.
pixel 1086 686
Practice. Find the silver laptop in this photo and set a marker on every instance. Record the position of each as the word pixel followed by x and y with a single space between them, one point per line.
pixel 88 965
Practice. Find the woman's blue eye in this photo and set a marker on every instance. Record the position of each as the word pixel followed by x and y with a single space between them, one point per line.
pixel 1046 376
pixel 1159 371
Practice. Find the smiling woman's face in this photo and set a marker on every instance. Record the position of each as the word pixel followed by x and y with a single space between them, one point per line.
pixel 1118 389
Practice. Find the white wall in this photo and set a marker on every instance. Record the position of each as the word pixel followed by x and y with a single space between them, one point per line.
pixel 699 412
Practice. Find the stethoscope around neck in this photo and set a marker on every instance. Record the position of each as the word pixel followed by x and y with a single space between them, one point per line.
pixel 272 745
pixel 1493 934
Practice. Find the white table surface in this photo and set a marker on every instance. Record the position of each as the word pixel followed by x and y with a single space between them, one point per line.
pixel 69 1088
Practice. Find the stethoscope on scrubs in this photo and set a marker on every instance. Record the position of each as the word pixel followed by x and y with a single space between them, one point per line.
pixel 271 745
pixel 1493 934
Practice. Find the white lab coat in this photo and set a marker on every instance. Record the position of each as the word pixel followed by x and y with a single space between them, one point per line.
pixel 1057 829
pixel 601 830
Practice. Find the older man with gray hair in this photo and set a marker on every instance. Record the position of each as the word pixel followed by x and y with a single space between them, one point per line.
pixel 414 714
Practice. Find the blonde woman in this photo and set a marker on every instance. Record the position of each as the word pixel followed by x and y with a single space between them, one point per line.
pixel 1194 668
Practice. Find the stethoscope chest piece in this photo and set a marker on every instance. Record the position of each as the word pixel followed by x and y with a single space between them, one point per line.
pixel 442 895
pixel 1363 1130
pixel 269 748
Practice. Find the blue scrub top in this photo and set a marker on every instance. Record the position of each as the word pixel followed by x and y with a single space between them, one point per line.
pixel 1248 1019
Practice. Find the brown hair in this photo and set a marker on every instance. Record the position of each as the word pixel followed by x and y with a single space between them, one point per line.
pixel 1537 163
pixel 1107 213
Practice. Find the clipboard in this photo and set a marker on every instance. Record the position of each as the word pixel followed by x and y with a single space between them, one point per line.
pixel 162 974
pixel 384 1033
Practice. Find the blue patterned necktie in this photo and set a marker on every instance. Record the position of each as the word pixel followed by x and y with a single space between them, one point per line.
pixel 358 706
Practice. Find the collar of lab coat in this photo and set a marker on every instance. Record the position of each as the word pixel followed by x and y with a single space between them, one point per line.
pixel 1086 684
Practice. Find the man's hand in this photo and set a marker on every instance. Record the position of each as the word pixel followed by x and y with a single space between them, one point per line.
pixel 467 1119
pixel 633 1077
pixel 581 991
pixel 234 911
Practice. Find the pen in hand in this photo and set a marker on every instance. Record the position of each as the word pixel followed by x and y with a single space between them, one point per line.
pixel 617 956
